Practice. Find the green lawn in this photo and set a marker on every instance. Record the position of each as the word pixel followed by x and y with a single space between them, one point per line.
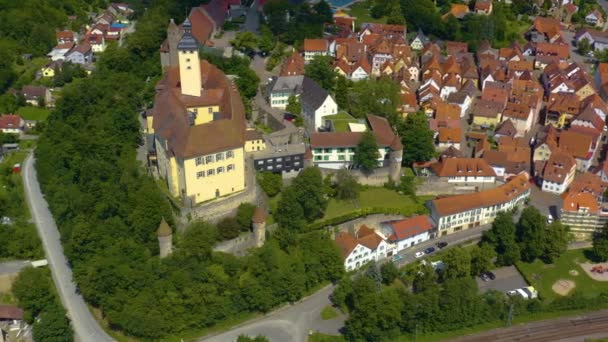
pixel 374 197
pixel 341 121
pixel 328 313
pixel 543 276
pixel 33 113
pixel 318 337
pixel 360 10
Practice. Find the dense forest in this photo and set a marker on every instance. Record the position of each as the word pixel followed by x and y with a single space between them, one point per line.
pixel 108 209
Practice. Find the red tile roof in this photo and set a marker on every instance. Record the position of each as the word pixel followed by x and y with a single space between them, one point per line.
pixel 409 227
pixel 315 45
pixel 10 312
pixel 10 121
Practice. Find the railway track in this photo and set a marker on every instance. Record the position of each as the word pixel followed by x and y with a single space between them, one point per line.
pixel 547 331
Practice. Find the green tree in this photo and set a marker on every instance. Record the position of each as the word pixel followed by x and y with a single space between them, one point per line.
pixel 389 273
pixel 600 244
pixel 245 42
pixel 530 232
pixel 417 139
pixel 346 186
pixel 53 326
pixel 556 239
pixel 502 238
pixel 425 281
pixel 376 317
pixel 321 70
pixel 198 240
pixel 366 153
pixel 290 213
pixel 323 12
pixel 271 183
pixel 342 89
pixel 32 288
pixel 244 213
pixel 395 17
pixel 293 105
pixel 267 40
pixel 457 263
pixel 378 96
pixel 310 191
pixel 482 259
pixel 583 46
pixel 228 228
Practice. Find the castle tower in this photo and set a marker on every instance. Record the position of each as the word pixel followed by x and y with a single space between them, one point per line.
pixel 395 158
pixel 165 238
pixel 189 63
pixel 173 38
pixel 258 221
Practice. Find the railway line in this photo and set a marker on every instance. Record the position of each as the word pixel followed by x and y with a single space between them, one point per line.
pixel 575 328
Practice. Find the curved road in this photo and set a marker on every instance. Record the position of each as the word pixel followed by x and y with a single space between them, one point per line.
pixel 85 326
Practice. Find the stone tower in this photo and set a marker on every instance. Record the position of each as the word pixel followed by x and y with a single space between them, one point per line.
pixel 173 37
pixel 259 226
pixel 308 158
pixel 165 238
pixel 395 158
pixel 189 62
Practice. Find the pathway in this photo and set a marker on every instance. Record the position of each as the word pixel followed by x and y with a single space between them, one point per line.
pixel 85 326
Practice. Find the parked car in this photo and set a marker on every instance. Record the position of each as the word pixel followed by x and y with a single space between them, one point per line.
pixel 441 245
pixel 487 276
pixel 397 257
pixel 429 250
pixel 289 117
pixel 550 219
pixel 419 254
pixel 525 292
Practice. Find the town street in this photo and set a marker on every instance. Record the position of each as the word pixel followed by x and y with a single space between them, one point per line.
pixel 85 327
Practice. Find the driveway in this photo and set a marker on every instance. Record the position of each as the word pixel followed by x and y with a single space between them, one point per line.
pixel 507 279
pixel 10 267
pixel 291 323
pixel 85 326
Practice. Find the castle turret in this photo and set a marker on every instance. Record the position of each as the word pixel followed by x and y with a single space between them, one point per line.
pixel 189 63
pixel 395 159
pixel 258 221
pixel 165 238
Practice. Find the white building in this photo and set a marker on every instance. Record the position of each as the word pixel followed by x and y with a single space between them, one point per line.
pixel 11 124
pixel 557 173
pixel 407 233
pixel 316 101
pixel 336 150
pixel 455 213
pixel 359 249
pixel 464 170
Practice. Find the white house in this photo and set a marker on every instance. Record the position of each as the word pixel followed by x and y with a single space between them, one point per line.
pixel 595 18
pixel 82 54
pixel 11 124
pixel 455 213
pixel 556 174
pixel 462 100
pixel 316 101
pixel 336 150
pixel 365 246
pixel 60 51
pixel 463 170
pixel 315 47
pixel 408 232
pixel 419 41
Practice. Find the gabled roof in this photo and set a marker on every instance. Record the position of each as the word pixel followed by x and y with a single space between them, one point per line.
pixel 10 121
pixel 315 45
pixel 384 134
pixel 409 227
pixel 293 65
pixel 558 166
pixel 502 194
pixel 577 144
pixel 461 167
pixel 450 135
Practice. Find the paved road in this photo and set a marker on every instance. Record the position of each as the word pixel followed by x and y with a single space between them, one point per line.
pixel 252 21
pixel 291 323
pixel 85 327
pixel 10 267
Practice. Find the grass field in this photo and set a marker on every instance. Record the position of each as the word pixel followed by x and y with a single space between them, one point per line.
pixel 341 121
pixel 374 197
pixel 33 113
pixel 328 313
pixel 318 337
pixel 543 276
pixel 360 10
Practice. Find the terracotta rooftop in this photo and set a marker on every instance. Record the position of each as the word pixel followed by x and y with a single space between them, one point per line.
pixel 9 312
pixel 557 167
pixel 577 144
pixel 385 136
pixel 462 167
pixel 10 121
pixel 574 202
pixel 409 227
pixel 450 135
pixel 487 198
pixel 315 45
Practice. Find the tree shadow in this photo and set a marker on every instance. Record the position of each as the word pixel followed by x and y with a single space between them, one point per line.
pixel 590 255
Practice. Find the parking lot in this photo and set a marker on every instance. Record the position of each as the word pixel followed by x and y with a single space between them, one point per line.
pixel 507 279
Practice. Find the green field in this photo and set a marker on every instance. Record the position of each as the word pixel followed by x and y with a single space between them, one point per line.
pixel 374 197
pixel 543 276
pixel 328 313
pixel 341 121
pixel 360 10
pixel 318 337
pixel 33 113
